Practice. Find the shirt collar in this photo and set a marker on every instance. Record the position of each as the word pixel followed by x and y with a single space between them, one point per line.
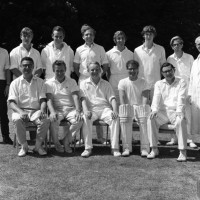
pixel 54 79
pixel 176 58
pixel 93 44
pixel 88 80
pixel 143 47
pixel 21 46
pixel 23 79
pixel 175 81
pixel 116 50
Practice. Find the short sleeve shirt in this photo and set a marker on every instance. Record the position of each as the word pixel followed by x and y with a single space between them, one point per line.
pixel 97 96
pixel 133 90
pixel 25 94
pixel 62 93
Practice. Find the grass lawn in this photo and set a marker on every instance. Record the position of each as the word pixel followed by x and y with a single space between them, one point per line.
pixel 101 176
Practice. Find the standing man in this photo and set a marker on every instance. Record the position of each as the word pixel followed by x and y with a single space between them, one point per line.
pixel 168 106
pixel 150 56
pixel 4 88
pixel 86 53
pixel 133 93
pixel 57 50
pixel 99 102
pixel 183 64
pixel 27 92
pixel 63 103
pixel 25 49
pixel 118 56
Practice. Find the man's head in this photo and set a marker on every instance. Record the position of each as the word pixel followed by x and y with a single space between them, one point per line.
pixel 88 34
pixel 59 68
pixel 119 38
pixel 58 35
pixel 176 43
pixel 197 43
pixel 27 66
pixel 168 70
pixel 133 69
pixel 149 33
pixel 26 36
pixel 94 70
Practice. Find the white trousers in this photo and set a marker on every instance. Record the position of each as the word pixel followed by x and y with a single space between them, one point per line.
pixel 42 128
pixel 68 131
pixel 164 117
pixel 104 115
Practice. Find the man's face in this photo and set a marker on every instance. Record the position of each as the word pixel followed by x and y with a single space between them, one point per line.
pixel 198 45
pixel 168 73
pixel 149 36
pixel 88 36
pixel 177 45
pixel 26 38
pixel 120 40
pixel 95 71
pixel 59 72
pixel 27 67
pixel 58 37
pixel 133 72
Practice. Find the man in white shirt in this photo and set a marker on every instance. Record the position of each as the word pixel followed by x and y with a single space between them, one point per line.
pixel 133 93
pixel 150 56
pixel 183 63
pixel 118 56
pixel 25 49
pixel 99 102
pixel 63 103
pixel 5 78
pixel 57 50
pixel 27 99
pixel 86 53
pixel 168 106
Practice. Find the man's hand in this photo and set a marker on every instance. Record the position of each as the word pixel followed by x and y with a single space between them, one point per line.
pixel 53 117
pixel 88 114
pixel 24 116
pixel 153 114
pixel 180 114
pixel 78 116
pixel 114 115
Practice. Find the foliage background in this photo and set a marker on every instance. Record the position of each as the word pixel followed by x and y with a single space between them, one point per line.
pixel 170 17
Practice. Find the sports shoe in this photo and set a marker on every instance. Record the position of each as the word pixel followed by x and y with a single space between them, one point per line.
pixel 172 142
pixel 80 142
pixel 40 151
pixel 116 153
pixel 23 150
pixel 193 145
pixel 144 153
pixel 59 148
pixel 126 153
pixel 86 153
pixel 154 152
pixel 68 149
pixel 182 156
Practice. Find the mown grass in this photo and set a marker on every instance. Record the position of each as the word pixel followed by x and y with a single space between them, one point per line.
pixel 101 176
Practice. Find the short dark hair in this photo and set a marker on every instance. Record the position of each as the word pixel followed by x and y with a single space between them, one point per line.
pixel 86 27
pixel 132 62
pixel 166 64
pixel 26 31
pixel 150 29
pixel 95 63
pixel 59 29
pixel 28 59
pixel 58 63
pixel 117 33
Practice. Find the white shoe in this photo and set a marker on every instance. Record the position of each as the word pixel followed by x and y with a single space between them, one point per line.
pixel 23 150
pixel 80 142
pixel 116 153
pixel 144 153
pixel 154 152
pixel 192 145
pixel 182 156
pixel 86 153
pixel 172 142
pixel 126 153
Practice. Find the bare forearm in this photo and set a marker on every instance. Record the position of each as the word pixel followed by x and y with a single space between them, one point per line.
pixel 16 72
pixel 38 72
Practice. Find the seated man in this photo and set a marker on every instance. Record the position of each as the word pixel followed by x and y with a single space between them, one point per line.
pixel 27 92
pixel 133 94
pixel 168 106
pixel 63 103
pixel 98 102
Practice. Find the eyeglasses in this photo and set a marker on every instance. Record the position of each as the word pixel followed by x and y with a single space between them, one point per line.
pixel 178 44
pixel 168 71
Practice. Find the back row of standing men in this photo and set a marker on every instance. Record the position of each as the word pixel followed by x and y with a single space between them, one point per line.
pixel 149 55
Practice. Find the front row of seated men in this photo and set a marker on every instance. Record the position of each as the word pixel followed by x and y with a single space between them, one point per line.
pixel 96 100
